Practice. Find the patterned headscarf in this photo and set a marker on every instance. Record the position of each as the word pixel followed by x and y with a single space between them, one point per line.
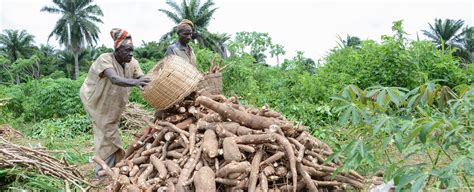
pixel 184 24
pixel 120 37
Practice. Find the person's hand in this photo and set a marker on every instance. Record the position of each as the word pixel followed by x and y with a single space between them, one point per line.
pixel 142 82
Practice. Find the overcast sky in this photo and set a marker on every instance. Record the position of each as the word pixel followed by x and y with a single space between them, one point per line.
pixel 305 25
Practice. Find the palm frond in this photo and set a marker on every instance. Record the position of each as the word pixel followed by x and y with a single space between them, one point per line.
pixel 176 7
pixel 176 19
pixel 205 18
pixel 50 10
pixel 205 7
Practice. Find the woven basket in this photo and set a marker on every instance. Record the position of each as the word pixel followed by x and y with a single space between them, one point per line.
pixel 172 79
pixel 212 83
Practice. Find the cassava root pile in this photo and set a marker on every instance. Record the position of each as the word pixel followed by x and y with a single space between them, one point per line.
pixel 214 144
pixel 12 155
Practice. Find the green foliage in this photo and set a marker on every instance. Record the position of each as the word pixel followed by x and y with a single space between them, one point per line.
pixel 67 127
pixel 17 179
pixel 292 92
pixel 256 44
pixel 204 58
pixel 300 63
pixel 76 27
pixel 394 62
pixel 57 75
pixel 16 44
pixel 393 128
pixel 200 15
pixel 151 50
pixel 350 41
pixel 45 98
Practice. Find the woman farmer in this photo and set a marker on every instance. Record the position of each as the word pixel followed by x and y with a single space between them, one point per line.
pixel 105 92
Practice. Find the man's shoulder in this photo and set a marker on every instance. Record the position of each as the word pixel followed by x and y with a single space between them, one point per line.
pixel 174 46
pixel 134 62
pixel 105 57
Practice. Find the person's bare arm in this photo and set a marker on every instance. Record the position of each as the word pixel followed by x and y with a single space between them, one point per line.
pixel 124 82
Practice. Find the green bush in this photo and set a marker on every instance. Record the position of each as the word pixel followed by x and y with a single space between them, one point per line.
pixel 57 75
pixel 18 179
pixel 420 138
pixel 395 62
pixel 66 127
pixel 42 99
pixel 147 64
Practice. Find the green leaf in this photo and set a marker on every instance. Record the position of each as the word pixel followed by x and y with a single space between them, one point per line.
pixel 413 101
pixel 467 166
pixel 419 183
pixel 413 134
pixel 345 116
pixel 355 116
pixel 371 93
pixel 393 97
pixel 380 124
pixel 453 165
pixel 381 99
pixel 399 142
pixel 401 181
pixel 426 130
pixel 362 150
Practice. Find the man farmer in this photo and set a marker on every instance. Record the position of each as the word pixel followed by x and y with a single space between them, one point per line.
pixel 105 92
pixel 181 48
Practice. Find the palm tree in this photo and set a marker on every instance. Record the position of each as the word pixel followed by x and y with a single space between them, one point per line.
pixel 451 34
pixel 16 45
pixel 468 42
pixel 350 41
pixel 218 43
pixel 200 15
pixel 76 27
pixel 448 32
pixel 48 57
pixel 276 50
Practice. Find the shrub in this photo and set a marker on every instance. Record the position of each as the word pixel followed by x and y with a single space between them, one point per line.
pixel 45 98
pixel 67 127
